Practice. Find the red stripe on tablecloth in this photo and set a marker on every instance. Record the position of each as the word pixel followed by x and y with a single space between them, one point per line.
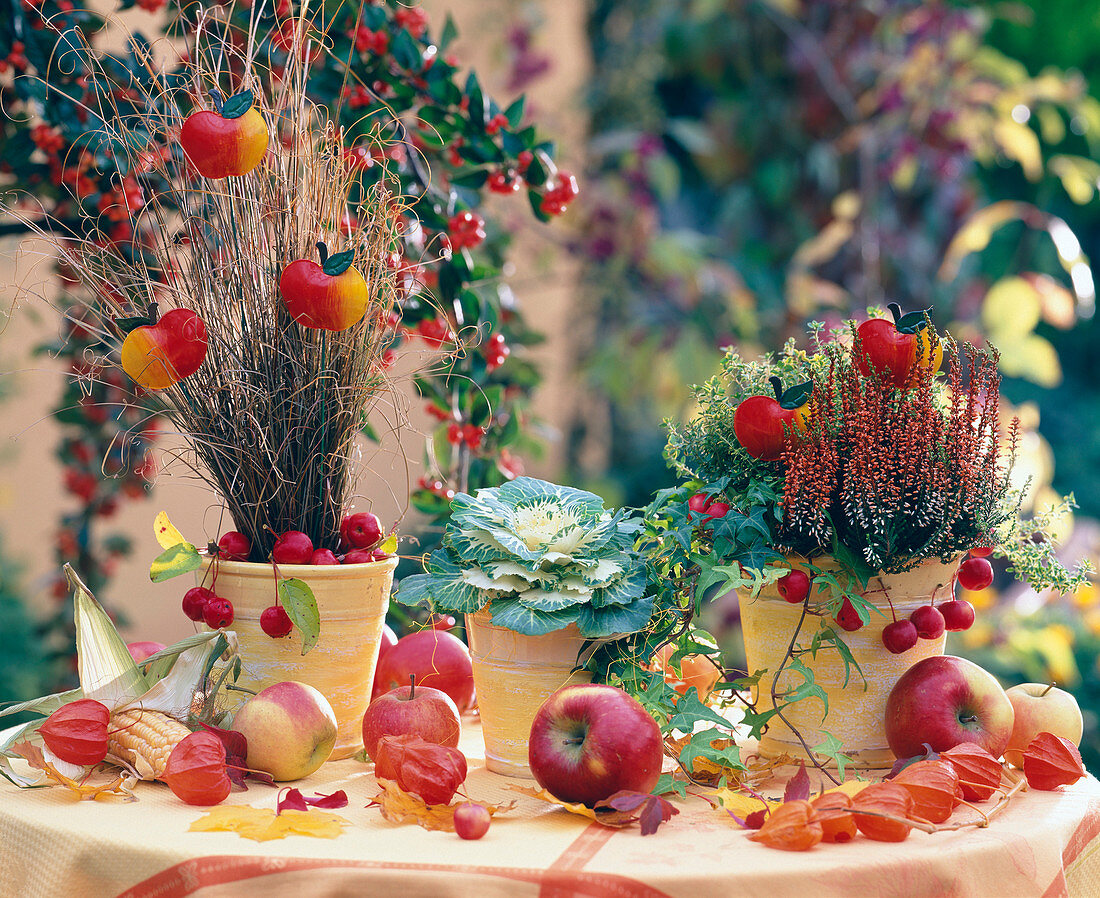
pixel 1087 830
pixel 579 852
pixel 187 877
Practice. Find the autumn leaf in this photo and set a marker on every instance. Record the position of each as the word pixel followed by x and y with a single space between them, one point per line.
pixel 399 806
pixel 263 824
pixel 798 786
pixel 294 800
pixel 748 810
pixel 649 810
pixel 84 789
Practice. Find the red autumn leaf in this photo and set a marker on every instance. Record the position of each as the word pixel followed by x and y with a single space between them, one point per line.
pixel 77 732
pixel 196 769
pixel 979 772
pixel 236 750
pixel 294 800
pixel 933 785
pixel 434 772
pixel 649 810
pixel 798 786
pixel 901 763
pixel 878 799
pixel 1051 761
pixel 833 811
pixel 792 826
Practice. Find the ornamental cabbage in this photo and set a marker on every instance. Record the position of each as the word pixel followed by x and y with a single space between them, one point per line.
pixel 540 556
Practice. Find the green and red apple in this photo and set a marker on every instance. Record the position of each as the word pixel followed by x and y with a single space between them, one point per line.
pixel 590 741
pixel 290 728
pixel 944 701
pixel 161 354
pixel 1041 708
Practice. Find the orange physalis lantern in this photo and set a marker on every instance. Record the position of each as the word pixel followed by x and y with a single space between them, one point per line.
pixel 790 827
pixel 883 798
pixel 77 732
pixel 834 813
pixel 196 769
pixel 979 772
pixel 933 785
pixel 434 772
pixel 1051 761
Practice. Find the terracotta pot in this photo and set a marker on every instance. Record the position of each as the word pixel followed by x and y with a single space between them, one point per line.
pixel 856 710
pixel 514 674
pixel 352 600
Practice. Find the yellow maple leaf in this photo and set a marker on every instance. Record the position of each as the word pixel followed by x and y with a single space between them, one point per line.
pixel 165 531
pixel 263 825
pixel 739 803
pixel 542 795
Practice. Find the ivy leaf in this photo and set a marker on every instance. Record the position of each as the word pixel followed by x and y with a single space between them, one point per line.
pixel 828 636
pixel 831 748
pixel 700 746
pixel 181 558
pixel 300 605
pixel 667 783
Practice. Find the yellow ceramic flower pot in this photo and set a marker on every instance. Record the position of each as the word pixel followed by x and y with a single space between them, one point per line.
pixel 352 600
pixel 514 674
pixel 856 710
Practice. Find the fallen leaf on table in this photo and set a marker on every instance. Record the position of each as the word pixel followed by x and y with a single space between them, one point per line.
pixel 263 825
pixel 294 800
pixel 611 816
pixel 399 806
pixel 86 790
pixel 749 811
pixel 798 786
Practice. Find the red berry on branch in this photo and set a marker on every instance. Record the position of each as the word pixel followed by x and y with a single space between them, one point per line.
pixel 847 617
pixel 234 546
pixel 275 622
pixel 699 502
pixel 292 547
pixel 958 614
pixel 323 556
pixel 793 586
pixel 717 510
pixel 218 613
pixel 929 622
pixel 195 601
pixel 900 636
pixel 975 573
pixel 499 182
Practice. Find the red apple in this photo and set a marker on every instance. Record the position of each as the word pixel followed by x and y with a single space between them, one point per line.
pixel 411 710
pixel 439 659
pixel 292 547
pixel 388 641
pixel 331 296
pixel 361 530
pixel 139 651
pixel 898 349
pixel 230 141
pixel 359 556
pixel 163 353
pixel 762 422
pixel 590 741
pixel 472 820
pixel 290 728
pixel 944 701
pixel 234 546
pixel 323 556
pixel 1041 708
pixel 195 601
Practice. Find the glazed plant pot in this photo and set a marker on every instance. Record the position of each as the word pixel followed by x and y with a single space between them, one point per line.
pixel 856 710
pixel 352 600
pixel 514 674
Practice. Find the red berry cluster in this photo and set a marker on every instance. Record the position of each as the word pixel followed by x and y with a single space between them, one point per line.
pixel 470 434
pixel 203 606
pixel 412 19
pixel 435 331
pixel 16 58
pixel 498 121
pixel 496 351
pixel 466 229
pixel 437 488
pixel 708 507
pixel 561 190
pixel 367 41
pixel 503 182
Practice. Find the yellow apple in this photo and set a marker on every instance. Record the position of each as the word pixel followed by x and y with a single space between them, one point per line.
pixel 1041 708
pixel 290 728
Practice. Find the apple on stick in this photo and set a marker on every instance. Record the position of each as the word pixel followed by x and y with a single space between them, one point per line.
pixel 945 701
pixel 290 728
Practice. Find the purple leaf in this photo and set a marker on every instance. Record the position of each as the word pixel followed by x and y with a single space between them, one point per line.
pixel 755 820
pixel 292 801
pixel 625 800
pixel 798 787
pixel 335 800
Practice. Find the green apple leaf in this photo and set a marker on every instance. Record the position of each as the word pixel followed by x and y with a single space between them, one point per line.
pixel 300 605
pixel 237 105
pixel 338 263
pixel 182 558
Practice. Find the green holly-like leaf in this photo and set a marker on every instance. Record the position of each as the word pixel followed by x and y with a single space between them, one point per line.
pixel 690 711
pixel 807 689
pixel 338 263
pixel 667 784
pixel 700 747
pixel 238 104
pixel 827 636
pixel 300 605
pixel 181 558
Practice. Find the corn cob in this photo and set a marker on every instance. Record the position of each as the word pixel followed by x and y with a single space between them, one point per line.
pixel 144 739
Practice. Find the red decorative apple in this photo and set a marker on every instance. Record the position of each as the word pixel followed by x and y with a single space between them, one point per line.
pixel 945 701
pixel 438 659
pixel 362 530
pixel 195 601
pixel 160 354
pixel 590 741
pixel 230 141
pixel 292 547
pixel 411 710
pixel 898 349
pixel 139 651
pixel 975 574
pixel 323 556
pixel 1041 708
pixel 958 614
pixel 762 422
pixel 331 296
pixel 794 586
pixel 234 546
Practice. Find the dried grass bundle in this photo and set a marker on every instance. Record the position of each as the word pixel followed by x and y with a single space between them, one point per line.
pixel 272 412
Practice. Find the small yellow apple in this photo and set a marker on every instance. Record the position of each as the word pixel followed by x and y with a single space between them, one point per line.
pixel 1041 708
pixel 290 728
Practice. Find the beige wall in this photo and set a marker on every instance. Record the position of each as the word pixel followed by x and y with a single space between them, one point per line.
pixel 31 497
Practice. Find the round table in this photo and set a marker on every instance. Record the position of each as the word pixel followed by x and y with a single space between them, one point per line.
pixel 1043 844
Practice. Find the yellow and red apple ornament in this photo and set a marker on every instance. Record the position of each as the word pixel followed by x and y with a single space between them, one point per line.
pixel 331 296
pixel 897 350
pixel 761 423
pixel 229 141
pixel 160 354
